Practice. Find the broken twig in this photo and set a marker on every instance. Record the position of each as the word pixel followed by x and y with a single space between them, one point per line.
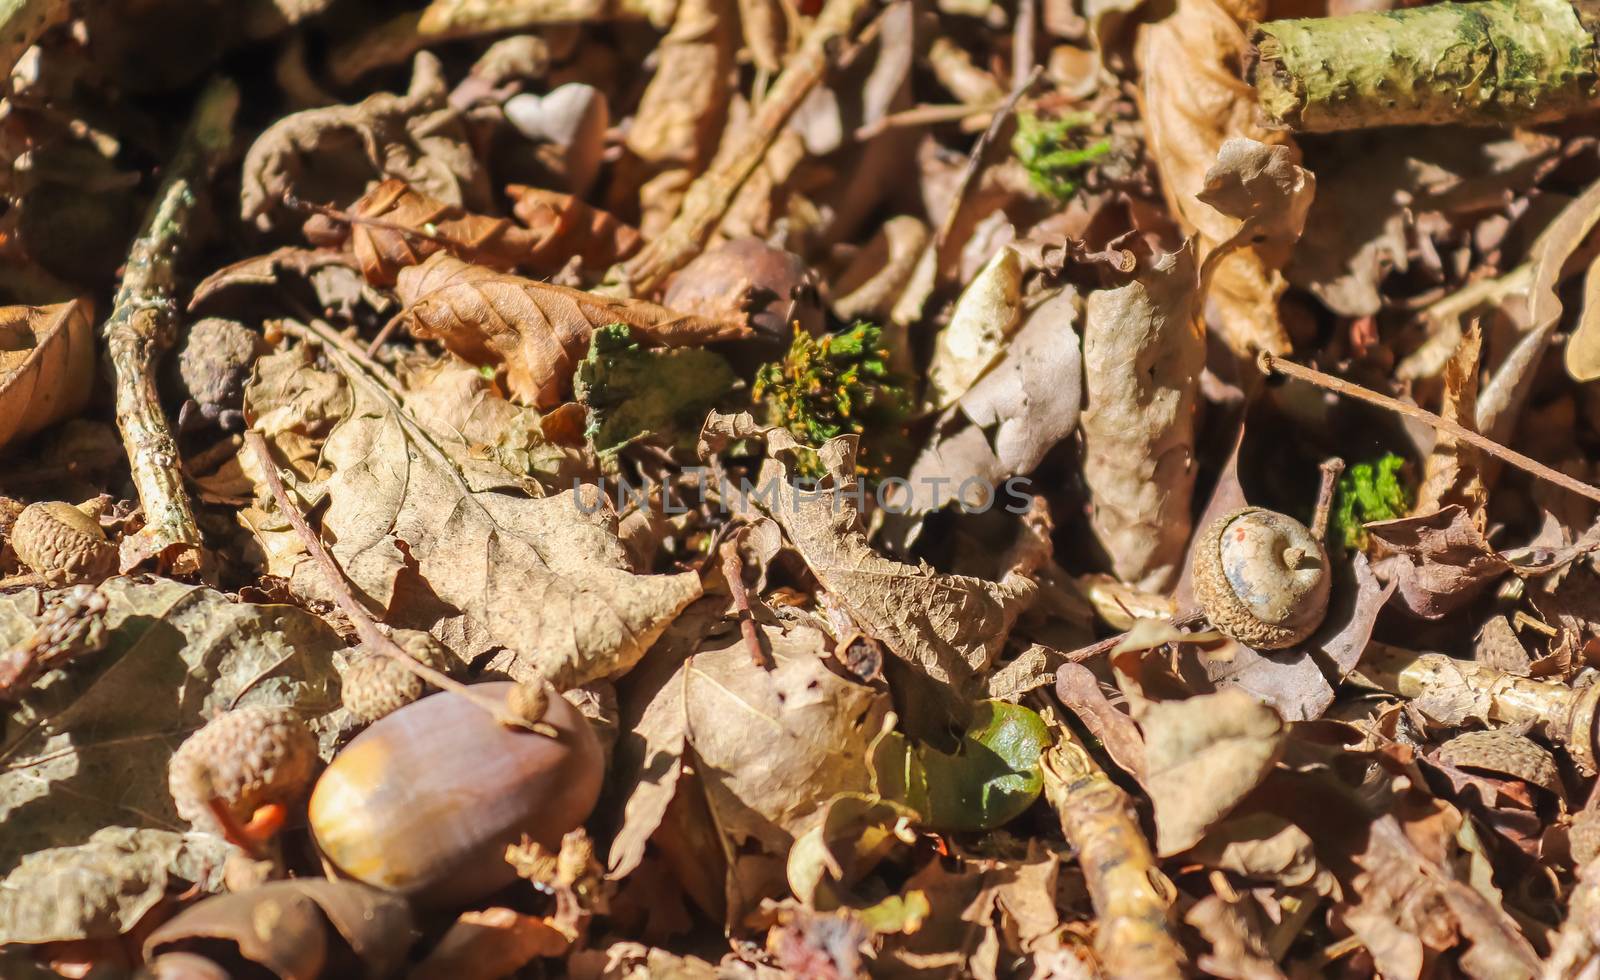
pixel 144 323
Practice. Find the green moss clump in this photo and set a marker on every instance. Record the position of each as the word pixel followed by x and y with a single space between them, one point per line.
pixel 1056 152
pixel 833 385
pixel 633 392
pixel 1370 491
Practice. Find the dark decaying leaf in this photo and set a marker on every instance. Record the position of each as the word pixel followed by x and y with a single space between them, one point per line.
pixel 300 930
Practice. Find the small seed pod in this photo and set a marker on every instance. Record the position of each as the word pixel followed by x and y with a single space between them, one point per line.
pixel 62 543
pixel 1262 578
pixel 241 761
pixel 426 801
pixel 374 685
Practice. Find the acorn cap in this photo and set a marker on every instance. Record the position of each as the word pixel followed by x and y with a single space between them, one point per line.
pixel 246 758
pixel 1262 578
pixel 62 543
pixel 374 685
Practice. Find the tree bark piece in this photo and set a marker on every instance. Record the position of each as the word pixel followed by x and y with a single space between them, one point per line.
pixel 144 323
pixel 1500 61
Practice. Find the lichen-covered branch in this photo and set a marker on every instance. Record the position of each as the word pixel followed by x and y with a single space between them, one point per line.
pixel 144 323
pixel 1133 936
pixel 712 192
pixel 1501 61
pixel 1450 690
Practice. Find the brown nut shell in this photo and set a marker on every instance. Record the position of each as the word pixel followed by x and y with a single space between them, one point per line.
pixel 245 758
pixel 62 543
pixel 426 801
pixel 1262 578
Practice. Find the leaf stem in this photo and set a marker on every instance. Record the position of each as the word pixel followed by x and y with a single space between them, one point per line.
pixel 1269 363
pixel 367 628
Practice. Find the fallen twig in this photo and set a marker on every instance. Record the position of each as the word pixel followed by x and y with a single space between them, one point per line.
pixel 1562 714
pixel 372 637
pixel 713 192
pixel 1133 937
pixel 733 571
pixel 144 324
pixel 1270 364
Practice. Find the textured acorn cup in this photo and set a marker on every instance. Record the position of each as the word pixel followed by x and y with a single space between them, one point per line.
pixel 245 758
pixel 1262 578
pixel 374 685
pixel 62 543
pixel 426 801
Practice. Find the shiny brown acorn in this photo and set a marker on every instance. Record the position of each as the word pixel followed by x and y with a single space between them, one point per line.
pixel 426 801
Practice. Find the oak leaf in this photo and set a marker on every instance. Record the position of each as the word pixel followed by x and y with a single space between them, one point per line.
pixel 417 520
pixel 539 330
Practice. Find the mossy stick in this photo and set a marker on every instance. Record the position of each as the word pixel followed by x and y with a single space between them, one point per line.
pixel 144 323
pixel 1501 61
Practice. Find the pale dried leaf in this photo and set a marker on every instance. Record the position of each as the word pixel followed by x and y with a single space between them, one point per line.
pixel 490 944
pixel 985 316
pixel 1194 100
pixel 1451 473
pixel 47 366
pixel 1142 355
pixel 1203 754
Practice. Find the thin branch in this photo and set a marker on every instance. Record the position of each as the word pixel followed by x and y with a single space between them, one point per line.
pixel 1269 364
pixel 733 571
pixel 1331 468
pixel 144 323
pixel 371 636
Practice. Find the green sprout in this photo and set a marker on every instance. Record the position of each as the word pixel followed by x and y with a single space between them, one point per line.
pixel 1056 152
pixel 1370 491
pixel 833 385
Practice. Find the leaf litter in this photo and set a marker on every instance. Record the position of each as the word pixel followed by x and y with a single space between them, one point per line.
pixel 820 413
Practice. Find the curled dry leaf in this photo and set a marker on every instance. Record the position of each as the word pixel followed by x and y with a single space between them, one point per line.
pixel 1142 354
pixel 284 927
pixel 947 629
pixel 416 137
pixel 46 366
pixel 985 316
pixel 539 330
pixel 88 748
pixel 488 945
pixel 1013 415
pixel 574 228
pixel 102 888
pixel 1194 100
pixel 1441 561
pixel 1203 754
pixel 267 270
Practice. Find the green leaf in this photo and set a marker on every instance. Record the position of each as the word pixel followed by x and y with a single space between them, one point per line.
pixel 991 778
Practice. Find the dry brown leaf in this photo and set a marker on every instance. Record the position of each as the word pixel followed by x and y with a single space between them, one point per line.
pixel 1193 100
pixel 1261 185
pixel 490 944
pixel 773 746
pixel 1204 754
pixel 947 629
pixel 1440 560
pixel 985 316
pixel 46 366
pixel 384 249
pixel 1079 690
pixel 1450 474
pixel 1411 906
pixel 265 270
pixel 1237 933
pixel 409 508
pixel 539 330
pixel 1014 414
pixel 598 238
pixel 416 137
pixel 1142 354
